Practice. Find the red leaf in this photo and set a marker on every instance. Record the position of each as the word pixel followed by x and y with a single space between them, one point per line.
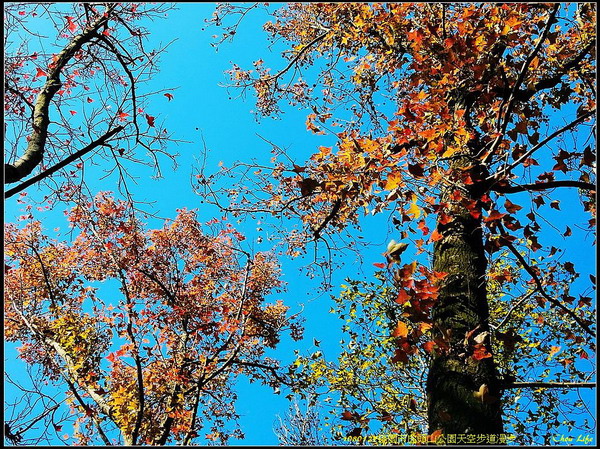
pixel 494 215
pixel 403 297
pixel 122 116
pixel 568 232
pixel 428 346
pixel 169 96
pixel 70 25
pixel 379 265
pixel 444 218
pixel 90 100
pixel 21 13
pixel 150 120
pixel 511 207
pixel 73 112
pixel 40 72
pixel 349 416
pixel 480 352
pixel 400 356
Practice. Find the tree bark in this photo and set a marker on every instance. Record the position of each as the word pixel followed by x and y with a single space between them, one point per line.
pixel 463 391
pixel 34 153
pixel 455 405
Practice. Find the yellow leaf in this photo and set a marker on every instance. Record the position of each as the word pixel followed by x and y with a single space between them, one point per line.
pixel 451 151
pixel 393 181
pixel 414 210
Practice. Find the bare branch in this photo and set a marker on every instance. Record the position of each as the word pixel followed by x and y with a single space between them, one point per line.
pixel 101 141
pixel 41 119
pixel 544 186
pixel 540 287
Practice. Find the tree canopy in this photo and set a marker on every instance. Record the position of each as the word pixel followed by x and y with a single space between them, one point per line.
pixel 468 130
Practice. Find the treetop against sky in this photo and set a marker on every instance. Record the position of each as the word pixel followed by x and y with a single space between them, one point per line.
pixel 192 188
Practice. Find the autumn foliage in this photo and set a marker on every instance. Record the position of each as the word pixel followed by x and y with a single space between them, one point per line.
pixel 158 360
pixel 469 129
pixel 435 114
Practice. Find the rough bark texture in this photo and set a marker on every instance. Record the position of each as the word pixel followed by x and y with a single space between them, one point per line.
pixel 463 392
pixel 456 377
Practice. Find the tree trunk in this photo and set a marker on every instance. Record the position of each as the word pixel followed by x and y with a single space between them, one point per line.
pixel 462 390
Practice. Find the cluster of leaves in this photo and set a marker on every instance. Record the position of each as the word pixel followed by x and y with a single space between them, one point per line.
pixel 438 111
pixel 375 388
pixel 443 76
pixel 531 342
pixel 159 362
pixel 372 394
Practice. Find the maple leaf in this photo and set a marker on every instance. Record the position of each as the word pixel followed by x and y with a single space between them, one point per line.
pixel 401 330
pixel 414 210
pixel 428 346
pixel 150 120
pixel 122 116
pixel 40 72
pixel 169 96
pixel 493 216
pixel 400 356
pixel 480 352
pixel 350 416
pixel 403 297
pixel 70 24
pixel 511 207
pixel 417 170
pixel 435 236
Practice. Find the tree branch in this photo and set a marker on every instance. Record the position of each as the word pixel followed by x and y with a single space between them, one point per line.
pixel 547 83
pixel 296 58
pixel 540 287
pixel 507 386
pixel 501 127
pixel 556 133
pixel 544 186
pixel 41 116
pixel 101 141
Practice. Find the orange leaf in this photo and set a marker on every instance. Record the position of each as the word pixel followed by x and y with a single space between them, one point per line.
pixel 403 297
pixel 494 215
pixel 428 346
pixel 435 236
pixel 401 330
pixel 435 435
pixel 481 352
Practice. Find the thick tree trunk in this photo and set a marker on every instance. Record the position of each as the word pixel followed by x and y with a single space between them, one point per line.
pixel 463 390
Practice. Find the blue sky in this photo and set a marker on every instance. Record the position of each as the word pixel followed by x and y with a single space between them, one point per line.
pixel 202 109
